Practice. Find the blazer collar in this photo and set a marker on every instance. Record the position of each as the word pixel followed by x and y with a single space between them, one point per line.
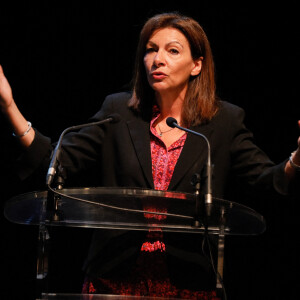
pixel 139 132
pixel 195 149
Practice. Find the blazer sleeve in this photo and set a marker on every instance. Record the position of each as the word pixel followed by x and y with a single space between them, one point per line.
pixel 251 164
pixel 80 149
pixel 36 157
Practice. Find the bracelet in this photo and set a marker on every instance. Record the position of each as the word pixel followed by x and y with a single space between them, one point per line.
pixel 295 166
pixel 27 130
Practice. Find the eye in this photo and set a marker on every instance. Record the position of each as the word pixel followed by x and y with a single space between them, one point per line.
pixel 149 50
pixel 174 51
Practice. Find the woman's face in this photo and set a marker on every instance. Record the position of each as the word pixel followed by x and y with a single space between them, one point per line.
pixel 168 61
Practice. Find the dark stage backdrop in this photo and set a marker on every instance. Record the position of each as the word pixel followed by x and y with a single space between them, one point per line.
pixel 63 57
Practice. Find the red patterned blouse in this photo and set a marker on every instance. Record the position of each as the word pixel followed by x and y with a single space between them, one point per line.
pixel 150 274
pixel 163 159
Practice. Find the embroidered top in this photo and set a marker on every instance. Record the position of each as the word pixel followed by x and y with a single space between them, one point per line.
pixel 150 274
pixel 163 159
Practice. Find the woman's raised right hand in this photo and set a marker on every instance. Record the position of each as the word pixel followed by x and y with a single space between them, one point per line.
pixel 19 124
pixel 6 97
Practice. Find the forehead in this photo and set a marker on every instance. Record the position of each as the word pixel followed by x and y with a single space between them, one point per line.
pixel 167 35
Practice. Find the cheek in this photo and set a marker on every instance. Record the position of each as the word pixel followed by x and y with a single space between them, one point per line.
pixel 146 68
pixel 181 71
pixel 147 62
pixel 188 69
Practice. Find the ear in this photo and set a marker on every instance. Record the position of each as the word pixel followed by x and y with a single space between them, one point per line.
pixel 197 66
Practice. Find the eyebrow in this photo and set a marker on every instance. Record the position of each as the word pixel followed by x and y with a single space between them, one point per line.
pixel 171 42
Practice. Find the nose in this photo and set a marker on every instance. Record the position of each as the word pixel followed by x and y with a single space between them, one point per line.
pixel 159 59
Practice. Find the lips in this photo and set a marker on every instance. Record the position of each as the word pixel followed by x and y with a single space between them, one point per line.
pixel 158 75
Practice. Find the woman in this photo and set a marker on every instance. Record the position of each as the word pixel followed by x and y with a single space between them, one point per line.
pixel 174 77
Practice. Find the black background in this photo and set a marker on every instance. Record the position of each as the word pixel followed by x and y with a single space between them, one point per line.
pixel 63 57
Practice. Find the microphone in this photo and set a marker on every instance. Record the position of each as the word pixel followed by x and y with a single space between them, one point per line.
pixel 171 122
pixel 113 118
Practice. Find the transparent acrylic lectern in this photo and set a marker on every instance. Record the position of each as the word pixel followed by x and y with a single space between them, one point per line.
pixel 129 209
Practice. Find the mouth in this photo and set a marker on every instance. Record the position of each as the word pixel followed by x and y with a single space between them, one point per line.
pixel 158 75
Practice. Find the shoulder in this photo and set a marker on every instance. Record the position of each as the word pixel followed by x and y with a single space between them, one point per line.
pixel 121 98
pixel 229 113
pixel 229 108
pixel 116 103
pixel 229 119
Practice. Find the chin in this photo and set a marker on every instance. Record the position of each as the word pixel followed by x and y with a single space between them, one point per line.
pixel 159 87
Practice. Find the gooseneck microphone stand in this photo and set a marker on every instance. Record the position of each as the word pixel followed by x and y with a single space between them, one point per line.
pixel 208 193
pixel 208 202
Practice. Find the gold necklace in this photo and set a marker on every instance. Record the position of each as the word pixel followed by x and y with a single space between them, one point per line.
pixel 161 132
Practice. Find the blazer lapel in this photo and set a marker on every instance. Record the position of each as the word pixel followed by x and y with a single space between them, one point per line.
pixel 139 131
pixel 194 149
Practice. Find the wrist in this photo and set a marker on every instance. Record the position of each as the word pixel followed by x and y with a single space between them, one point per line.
pixel 295 160
pixel 25 132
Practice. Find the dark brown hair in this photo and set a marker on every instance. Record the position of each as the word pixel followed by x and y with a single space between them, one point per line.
pixel 200 103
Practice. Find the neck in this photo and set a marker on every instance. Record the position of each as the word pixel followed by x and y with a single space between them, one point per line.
pixel 170 104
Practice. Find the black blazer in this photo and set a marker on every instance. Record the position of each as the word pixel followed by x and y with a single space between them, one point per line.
pixel 119 155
